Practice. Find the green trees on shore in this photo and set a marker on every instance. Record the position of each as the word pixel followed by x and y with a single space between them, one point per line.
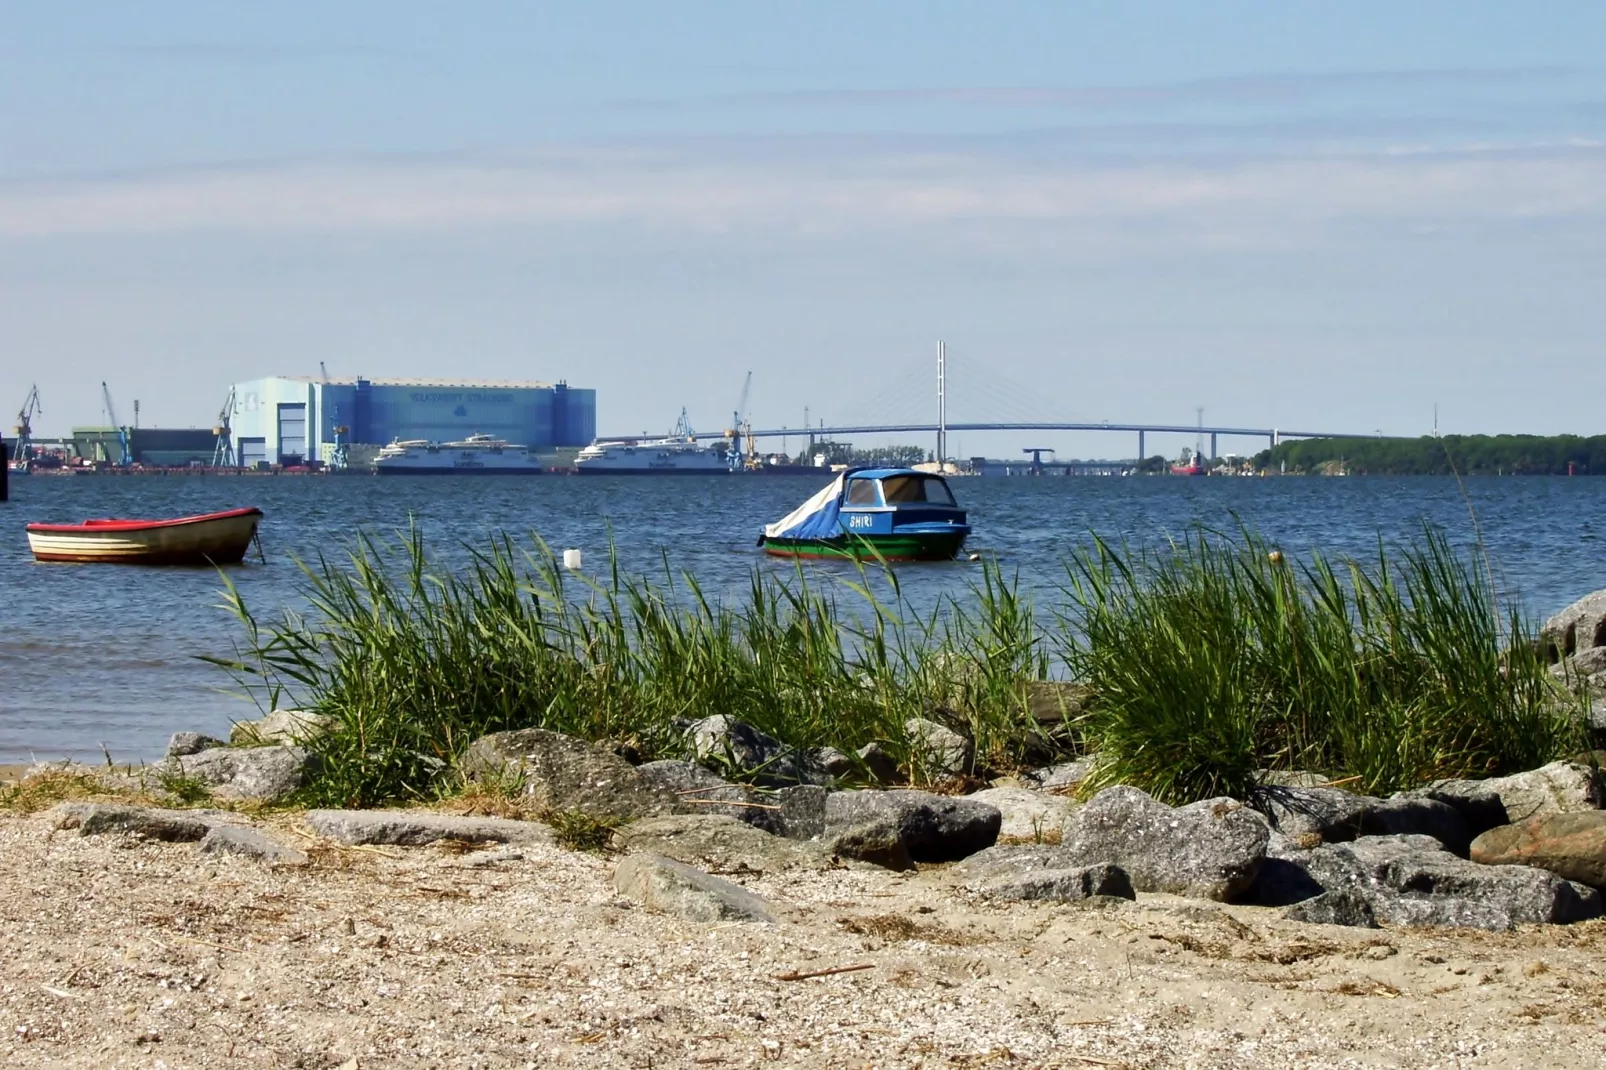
pixel 1429 455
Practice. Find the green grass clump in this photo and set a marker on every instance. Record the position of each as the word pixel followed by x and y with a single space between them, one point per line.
pixel 1219 657
pixel 414 660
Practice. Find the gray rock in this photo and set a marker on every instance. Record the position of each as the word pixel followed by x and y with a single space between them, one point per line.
pixel 882 767
pixel 1053 702
pixel 1337 816
pixel 152 823
pixel 802 811
pixel 249 843
pixel 280 726
pixel 698 790
pixel 832 762
pixel 728 744
pixel 1334 908
pixel 1062 779
pixel 721 844
pixel 937 751
pixel 560 772
pixel 899 827
pixel 269 774
pixel 1480 808
pixel 1028 816
pixel 1586 665
pixel 675 888
pixel 1032 872
pixel 1290 778
pixel 411 828
pixel 1558 788
pixel 1412 880
pixel 185 743
pixel 1208 850
pixel 1581 626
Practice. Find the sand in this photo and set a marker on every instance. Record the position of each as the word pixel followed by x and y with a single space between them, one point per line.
pixel 122 953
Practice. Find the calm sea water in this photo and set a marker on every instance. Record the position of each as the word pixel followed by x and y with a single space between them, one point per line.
pixel 100 656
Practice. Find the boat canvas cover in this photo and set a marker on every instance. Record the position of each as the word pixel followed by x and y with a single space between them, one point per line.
pixel 816 518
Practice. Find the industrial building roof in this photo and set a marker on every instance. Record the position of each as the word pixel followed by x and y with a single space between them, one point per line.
pixel 478 384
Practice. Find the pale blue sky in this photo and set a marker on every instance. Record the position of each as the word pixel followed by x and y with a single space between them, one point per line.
pixel 1293 214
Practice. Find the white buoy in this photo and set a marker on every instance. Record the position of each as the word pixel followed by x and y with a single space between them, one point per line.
pixel 571 559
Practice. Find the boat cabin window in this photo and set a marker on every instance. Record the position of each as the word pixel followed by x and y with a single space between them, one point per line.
pixel 862 492
pixel 899 489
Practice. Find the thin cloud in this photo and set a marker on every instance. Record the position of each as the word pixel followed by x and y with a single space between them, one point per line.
pixel 828 193
pixel 1244 89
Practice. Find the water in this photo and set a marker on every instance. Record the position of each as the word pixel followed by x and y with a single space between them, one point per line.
pixel 94 656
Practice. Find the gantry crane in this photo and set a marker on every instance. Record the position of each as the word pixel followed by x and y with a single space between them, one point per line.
pixel 223 450
pixel 127 456
pixel 24 429
pixel 738 433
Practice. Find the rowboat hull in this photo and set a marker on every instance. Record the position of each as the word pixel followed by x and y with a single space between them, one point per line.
pixel 212 539
pixel 923 546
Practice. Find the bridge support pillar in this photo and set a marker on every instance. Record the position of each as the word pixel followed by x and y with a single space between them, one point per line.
pixel 1142 456
pixel 1275 438
pixel 1213 453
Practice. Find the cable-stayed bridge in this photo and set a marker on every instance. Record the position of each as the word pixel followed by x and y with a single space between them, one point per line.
pixel 907 404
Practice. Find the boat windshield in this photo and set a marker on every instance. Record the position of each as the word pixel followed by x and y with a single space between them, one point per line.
pixel 899 489
pixel 862 492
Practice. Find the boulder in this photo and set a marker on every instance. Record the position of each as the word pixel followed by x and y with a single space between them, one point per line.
pixel 898 828
pixel 1558 788
pixel 1062 779
pixel 249 843
pixel 720 843
pixel 1585 666
pixel 410 828
pixel 1028 816
pixel 1480 808
pixel 1209 850
pixel 280 726
pixel 882 767
pixel 186 743
pixel 697 790
pixel 269 774
pixel 1572 846
pixel 1290 778
pixel 1412 880
pixel 559 772
pixel 149 822
pixel 802 812
pixel 675 888
pixel 1054 702
pixel 1028 872
pixel 1581 626
pixel 725 743
pixel 1334 908
pixel 936 751
pixel 831 762
pixel 1337 816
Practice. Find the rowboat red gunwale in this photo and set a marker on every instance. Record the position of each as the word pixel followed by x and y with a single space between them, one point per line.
pixel 205 539
pixel 115 524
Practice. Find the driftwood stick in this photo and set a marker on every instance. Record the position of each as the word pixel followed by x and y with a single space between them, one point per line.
pixel 795 975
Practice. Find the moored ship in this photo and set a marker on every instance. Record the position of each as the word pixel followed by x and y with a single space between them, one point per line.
pixel 476 455
pixel 678 453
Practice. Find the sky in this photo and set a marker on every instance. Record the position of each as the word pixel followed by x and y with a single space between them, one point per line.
pixel 1331 217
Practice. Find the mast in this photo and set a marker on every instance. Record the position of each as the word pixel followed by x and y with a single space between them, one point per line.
pixel 942 402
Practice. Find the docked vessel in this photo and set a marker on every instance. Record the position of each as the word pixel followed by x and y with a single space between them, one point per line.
pixel 677 453
pixel 476 455
pixel 897 514
pixel 208 539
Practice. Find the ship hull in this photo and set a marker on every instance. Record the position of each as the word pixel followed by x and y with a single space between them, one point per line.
pixel 588 470
pixel 533 470
pixel 924 546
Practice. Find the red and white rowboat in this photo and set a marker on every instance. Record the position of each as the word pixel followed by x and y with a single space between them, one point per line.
pixel 210 539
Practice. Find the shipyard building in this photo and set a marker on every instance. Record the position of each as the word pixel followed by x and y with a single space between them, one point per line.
pixel 292 421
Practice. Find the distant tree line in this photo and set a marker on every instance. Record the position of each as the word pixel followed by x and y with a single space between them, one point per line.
pixel 1431 456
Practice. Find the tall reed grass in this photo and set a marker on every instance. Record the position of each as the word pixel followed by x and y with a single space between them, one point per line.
pixel 413 660
pixel 1209 660
pixel 1218 657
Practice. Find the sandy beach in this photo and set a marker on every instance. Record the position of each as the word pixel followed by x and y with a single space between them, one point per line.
pixel 126 953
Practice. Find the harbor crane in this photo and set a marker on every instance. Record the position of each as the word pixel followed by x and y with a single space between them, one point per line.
pixel 1037 458
pixel 127 457
pixel 223 450
pixel 340 456
pixel 737 433
pixel 24 429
